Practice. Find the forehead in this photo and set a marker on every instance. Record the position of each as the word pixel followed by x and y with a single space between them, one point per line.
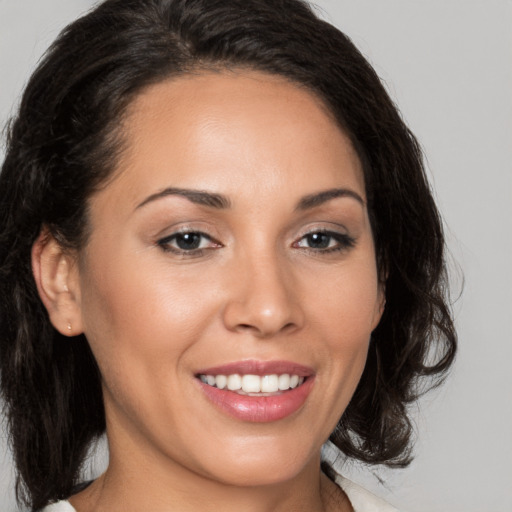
pixel 227 130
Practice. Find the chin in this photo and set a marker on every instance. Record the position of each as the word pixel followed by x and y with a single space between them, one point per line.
pixel 262 463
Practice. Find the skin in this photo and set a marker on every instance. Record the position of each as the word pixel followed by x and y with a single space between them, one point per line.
pixel 257 290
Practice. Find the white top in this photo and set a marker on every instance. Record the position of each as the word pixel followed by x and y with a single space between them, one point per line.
pixel 360 499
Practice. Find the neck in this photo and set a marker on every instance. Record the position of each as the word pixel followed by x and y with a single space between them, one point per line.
pixel 144 487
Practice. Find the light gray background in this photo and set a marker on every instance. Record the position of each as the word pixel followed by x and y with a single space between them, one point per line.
pixel 448 64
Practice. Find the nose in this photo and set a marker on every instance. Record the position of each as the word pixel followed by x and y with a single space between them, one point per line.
pixel 264 299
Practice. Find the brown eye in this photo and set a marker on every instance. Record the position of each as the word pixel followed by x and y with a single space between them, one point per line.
pixel 187 242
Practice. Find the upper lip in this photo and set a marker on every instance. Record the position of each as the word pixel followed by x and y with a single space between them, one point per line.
pixel 253 367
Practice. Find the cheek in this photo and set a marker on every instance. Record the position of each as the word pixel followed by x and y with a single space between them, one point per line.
pixel 349 301
pixel 346 312
pixel 141 315
pixel 138 324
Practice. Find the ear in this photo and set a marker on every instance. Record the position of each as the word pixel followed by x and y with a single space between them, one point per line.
pixel 56 275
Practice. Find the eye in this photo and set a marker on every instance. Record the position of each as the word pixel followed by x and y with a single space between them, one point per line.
pixel 325 241
pixel 187 242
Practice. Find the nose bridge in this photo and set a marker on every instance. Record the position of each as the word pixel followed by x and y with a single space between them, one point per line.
pixel 264 300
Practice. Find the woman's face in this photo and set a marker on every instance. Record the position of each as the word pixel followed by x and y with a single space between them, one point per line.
pixel 232 246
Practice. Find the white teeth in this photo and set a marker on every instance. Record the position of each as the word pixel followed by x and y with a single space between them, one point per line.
pixel 234 382
pixel 284 382
pixel 253 383
pixel 221 381
pixel 270 383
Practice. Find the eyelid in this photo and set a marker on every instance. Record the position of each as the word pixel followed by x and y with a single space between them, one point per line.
pixel 325 227
pixel 188 226
pixel 165 242
pixel 166 238
pixel 344 240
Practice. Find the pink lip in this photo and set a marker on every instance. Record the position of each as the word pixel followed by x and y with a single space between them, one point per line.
pixel 251 367
pixel 259 409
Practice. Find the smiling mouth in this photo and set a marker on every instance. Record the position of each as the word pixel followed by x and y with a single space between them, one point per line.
pixel 254 385
pixel 257 391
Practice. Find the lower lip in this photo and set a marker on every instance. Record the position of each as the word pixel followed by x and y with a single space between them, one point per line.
pixel 259 409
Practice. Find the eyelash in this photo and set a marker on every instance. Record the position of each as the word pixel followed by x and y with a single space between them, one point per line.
pixel 164 244
pixel 344 242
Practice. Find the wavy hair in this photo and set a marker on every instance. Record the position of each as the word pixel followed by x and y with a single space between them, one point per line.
pixel 64 143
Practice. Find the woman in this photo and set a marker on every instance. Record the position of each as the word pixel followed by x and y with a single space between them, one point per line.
pixel 218 246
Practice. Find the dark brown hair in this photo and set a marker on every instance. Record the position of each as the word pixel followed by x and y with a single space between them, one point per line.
pixel 64 143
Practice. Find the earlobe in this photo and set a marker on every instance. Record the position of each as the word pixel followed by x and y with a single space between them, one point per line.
pixel 56 276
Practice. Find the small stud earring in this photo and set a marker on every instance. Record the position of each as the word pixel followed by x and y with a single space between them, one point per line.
pixel 69 327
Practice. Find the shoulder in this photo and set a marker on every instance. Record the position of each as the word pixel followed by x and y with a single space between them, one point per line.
pixel 60 506
pixel 361 499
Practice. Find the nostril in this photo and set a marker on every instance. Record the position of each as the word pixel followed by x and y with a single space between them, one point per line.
pixel 265 330
pixel 261 318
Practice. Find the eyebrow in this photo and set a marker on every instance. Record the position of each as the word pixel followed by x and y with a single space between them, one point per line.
pixel 317 199
pixel 200 197
pixel 218 201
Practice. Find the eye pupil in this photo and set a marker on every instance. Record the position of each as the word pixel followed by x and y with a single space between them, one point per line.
pixel 188 241
pixel 318 240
